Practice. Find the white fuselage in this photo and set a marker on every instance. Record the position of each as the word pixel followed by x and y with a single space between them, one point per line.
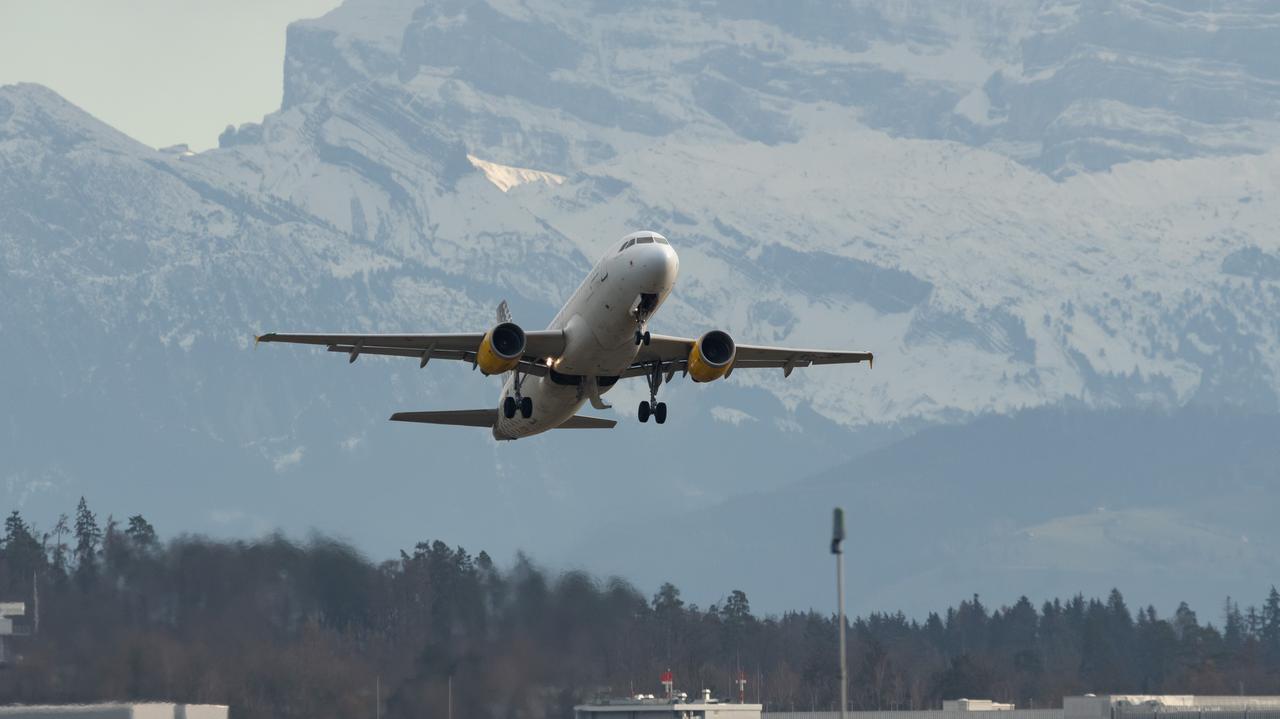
pixel 600 322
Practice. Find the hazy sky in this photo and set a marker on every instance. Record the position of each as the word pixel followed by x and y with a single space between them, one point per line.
pixel 163 71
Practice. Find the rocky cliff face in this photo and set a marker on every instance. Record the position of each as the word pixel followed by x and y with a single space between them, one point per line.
pixel 1014 204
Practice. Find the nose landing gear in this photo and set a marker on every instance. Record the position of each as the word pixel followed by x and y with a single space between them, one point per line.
pixel 644 306
pixel 652 407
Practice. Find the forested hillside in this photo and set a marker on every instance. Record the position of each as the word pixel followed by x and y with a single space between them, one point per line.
pixel 279 628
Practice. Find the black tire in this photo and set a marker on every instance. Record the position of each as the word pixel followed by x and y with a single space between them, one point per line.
pixel 526 407
pixel 647 339
pixel 639 338
pixel 660 413
pixel 644 411
pixel 509 407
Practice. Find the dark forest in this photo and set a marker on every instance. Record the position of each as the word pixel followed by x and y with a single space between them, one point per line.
pixel 280 628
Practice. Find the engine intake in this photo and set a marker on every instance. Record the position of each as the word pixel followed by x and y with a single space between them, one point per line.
pixel 501 349
pixel 712 356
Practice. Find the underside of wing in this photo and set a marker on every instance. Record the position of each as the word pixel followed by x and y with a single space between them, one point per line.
pixel 671 354
pixel 761 356
pixel 464 346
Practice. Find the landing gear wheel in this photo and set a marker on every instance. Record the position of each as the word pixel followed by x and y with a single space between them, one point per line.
pixel 509 407
pixel 660 413
pixel 526 407
pixel 639 338
pixel 647 338
pixel 644 411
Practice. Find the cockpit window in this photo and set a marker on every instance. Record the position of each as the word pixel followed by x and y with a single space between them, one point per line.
pixel 626 244
pixel 643 240
pixel 660 240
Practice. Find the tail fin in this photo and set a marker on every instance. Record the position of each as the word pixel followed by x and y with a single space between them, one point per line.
pixel 504 312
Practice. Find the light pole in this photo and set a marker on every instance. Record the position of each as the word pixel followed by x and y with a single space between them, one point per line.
pixel 837 536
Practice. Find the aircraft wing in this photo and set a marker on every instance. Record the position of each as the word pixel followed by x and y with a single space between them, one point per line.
pixel 539 346
pixel 673 354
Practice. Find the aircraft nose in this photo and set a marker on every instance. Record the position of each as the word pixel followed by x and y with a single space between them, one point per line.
pixel 659 265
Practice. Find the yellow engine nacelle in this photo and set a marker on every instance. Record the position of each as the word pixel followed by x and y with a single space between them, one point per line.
pixel 501 349
pixel 712 356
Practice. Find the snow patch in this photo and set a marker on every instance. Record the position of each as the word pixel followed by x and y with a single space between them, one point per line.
pixel 730 415
pixel 505 177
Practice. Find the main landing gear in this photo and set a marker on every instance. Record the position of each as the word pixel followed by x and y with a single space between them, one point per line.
pixel 652 407
pixel 642 338
pixel 517 402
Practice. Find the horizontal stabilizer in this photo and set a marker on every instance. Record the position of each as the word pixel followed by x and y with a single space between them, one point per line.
pixel 579 421
pixel 486 418
pixel 460 417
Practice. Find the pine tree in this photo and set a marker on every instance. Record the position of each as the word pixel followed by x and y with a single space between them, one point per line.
pixel 1270 631
pixel 1185 624
pixel 88 537
pixel 1233 629
pixel 58 553
pixel 22 551
pixel 1253 622
pixel 142 535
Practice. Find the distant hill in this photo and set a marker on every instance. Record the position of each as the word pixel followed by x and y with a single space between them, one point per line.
pixel 1043 503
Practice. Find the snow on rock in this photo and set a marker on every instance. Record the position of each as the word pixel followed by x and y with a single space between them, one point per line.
pixel 505 177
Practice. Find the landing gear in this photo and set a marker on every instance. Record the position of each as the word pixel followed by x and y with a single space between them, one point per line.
pixel 642 338
pixel 516 402
pixel 657 411
pixel 652 407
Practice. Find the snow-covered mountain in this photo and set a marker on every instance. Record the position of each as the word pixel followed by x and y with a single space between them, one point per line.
pixel 1014 204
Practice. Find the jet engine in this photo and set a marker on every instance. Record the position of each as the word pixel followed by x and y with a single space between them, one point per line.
pixel 711 356
pixel 501 349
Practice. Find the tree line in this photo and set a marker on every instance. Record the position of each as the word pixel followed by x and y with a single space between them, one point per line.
pixel 282 628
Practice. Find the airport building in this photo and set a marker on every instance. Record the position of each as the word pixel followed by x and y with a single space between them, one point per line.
pixel 677 707
pixel 1173 706
pixel 1089 706
pixel 14 622
pixel 150 710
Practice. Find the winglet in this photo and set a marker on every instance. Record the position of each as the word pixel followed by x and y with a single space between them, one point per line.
pixel 871 361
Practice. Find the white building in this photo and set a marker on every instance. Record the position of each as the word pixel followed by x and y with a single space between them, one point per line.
pixel 679 708
pixel 975 705
pixel 156 710
pixel 1115 706
pixel 1107 706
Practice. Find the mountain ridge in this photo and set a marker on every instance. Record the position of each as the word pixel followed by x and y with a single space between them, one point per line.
pixel 1013 207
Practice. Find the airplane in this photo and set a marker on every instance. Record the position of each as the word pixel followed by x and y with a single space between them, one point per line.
pixel 600 336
